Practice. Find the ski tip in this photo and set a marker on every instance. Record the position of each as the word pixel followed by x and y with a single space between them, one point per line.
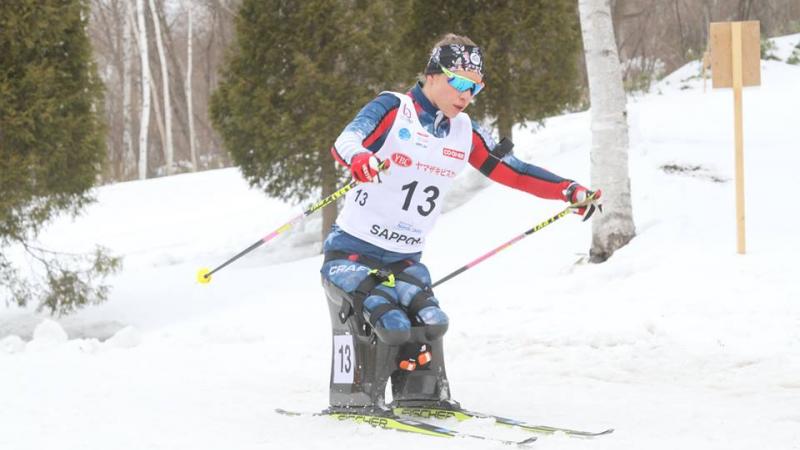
pixel 528 441
pixel 589 434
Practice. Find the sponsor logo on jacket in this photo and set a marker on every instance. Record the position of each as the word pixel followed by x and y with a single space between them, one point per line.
pixel 343 268
pixel 401 159
pixel 435 170
pixel 449 152
pixel 406 112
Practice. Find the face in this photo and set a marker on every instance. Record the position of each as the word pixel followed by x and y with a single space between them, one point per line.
pixel 446 97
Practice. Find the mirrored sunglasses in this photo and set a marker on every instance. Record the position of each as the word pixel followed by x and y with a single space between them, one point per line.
pixel 461 83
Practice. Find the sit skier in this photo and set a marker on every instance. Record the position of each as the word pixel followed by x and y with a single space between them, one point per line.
pixel 387 323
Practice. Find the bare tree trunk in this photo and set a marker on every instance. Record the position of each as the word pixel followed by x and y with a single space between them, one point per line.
pixel 154 96
pixel 169 150
pixel 609 170
pixel 106 33
pixel 190 109
pixel 681 39
pixel 744 9
pixel 177 85
pixel 128 154
pixel 708 17
pixel 329 181
pixel 145 63
pixel 505 126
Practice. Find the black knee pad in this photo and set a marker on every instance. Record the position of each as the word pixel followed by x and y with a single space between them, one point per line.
pixel 393 337
pixel 433 332
pixel 396 335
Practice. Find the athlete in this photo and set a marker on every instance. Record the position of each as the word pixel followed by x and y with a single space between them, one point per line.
pixel 427 139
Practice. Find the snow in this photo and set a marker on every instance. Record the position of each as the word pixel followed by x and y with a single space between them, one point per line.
pixel 785 45
pixel 676 341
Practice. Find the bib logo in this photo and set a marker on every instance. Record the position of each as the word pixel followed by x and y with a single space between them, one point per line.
pixel 449 152
pixel 377 230
pixel 406 111
pixel 401 160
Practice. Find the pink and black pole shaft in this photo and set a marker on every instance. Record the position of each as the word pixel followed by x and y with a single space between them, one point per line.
pixel 288 225
pixel 505 245
pixel 294 221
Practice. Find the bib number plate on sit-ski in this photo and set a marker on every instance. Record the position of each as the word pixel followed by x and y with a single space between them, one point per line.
pixel 344 359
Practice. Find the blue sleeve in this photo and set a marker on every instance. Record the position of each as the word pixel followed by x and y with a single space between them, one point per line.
pixel 368 129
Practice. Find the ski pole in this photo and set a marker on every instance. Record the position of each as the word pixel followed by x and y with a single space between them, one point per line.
pixel 204 274
pixel 516 239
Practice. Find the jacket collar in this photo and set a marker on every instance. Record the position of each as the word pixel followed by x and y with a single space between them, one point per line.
pixel 419 98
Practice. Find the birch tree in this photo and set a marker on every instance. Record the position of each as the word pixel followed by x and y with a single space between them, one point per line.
pixel 609 168
pixel 153 89
pixel 189 108
pixel 128 156
pixel 169 150
pixel 145 65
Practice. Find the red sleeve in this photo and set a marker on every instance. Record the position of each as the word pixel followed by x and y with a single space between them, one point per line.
pixel 515 173
pixel 381 129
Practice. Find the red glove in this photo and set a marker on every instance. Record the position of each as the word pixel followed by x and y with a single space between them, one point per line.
pixel 364 167
pixel 585 202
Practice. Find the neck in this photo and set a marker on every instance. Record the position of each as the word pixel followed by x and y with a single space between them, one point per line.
pixel 426 89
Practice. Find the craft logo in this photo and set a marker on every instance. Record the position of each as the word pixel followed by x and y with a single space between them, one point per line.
pixel 343 268
pixel 449 152
pixel 401 160
pixel 404 134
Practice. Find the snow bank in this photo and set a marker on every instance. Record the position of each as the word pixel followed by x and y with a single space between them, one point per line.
pixel 676 341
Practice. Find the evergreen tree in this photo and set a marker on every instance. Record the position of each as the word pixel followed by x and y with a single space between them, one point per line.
pixel 529 46
pixel 298 74
pixel 51 146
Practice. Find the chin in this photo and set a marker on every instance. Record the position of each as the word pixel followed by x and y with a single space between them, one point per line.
pixel 452 113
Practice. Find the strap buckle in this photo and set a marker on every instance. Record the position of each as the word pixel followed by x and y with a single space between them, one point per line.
pixel 385 276
pixel 345 311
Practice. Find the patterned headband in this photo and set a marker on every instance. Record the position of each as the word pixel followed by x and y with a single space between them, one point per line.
pixel 456 57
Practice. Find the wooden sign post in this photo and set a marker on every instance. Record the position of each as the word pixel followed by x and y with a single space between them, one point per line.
pixel 736 63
